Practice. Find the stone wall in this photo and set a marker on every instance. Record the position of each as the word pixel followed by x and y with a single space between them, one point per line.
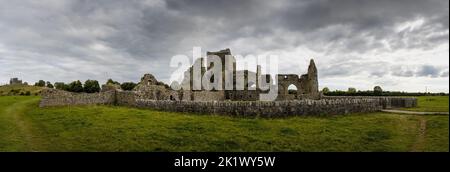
pixel 208 95
pixel 154 92
pixel 125 98
pixel 54 97
pixel 242 95
pixel 385 101
pixel 266 109
pixel 330 105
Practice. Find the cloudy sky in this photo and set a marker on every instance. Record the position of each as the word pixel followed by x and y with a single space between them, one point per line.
pixel 399 45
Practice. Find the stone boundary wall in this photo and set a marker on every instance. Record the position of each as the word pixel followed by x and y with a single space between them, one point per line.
pixel 330 105
pixel 266 109
pixel 208 95
pixel 126 98
pixel 385 101
pixel 54 97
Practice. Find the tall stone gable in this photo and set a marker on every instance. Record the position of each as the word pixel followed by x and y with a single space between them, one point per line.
pixel 313 83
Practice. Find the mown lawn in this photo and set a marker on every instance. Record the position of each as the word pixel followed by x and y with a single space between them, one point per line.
pixel 431 104
pixel 25 127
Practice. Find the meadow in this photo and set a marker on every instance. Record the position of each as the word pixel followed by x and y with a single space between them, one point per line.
pixel 431 104
pixel 26 127
pixel 19 89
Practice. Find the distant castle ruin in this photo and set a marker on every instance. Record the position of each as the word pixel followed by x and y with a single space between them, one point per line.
pixel 15 81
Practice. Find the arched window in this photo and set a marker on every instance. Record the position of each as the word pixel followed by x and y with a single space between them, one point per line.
pixel 292 89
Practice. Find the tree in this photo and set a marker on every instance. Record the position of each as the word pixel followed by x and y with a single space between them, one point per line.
pixel 40 83
pixel 351 90
pixel 60 86
pixel 110 81
pixel 49 84
pixel 325 90
pixel 91 86
pixel 377 90
pixel 128 85
pixel 75 86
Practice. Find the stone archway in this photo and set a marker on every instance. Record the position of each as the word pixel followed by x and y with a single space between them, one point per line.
pixel 292 89
pixel 285 81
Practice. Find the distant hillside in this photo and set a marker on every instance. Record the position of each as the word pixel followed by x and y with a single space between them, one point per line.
pixel 10 90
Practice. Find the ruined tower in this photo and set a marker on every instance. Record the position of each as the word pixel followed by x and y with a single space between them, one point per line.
pixel 313 83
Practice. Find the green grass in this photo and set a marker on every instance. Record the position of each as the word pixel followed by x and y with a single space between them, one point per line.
pixel 431 104
pixel 25 127
pixel 12 90
pixel 11 137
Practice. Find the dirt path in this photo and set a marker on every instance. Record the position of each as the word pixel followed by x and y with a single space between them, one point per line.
pixel 16 112
pixel 420 140
pixel 413 112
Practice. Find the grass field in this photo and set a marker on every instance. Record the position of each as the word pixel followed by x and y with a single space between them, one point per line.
pixel 25 127
pixel 431 104
pixel 12 90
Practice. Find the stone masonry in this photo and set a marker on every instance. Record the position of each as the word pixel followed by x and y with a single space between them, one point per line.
pixel 54 97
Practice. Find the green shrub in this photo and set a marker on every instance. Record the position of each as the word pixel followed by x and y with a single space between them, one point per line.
pixel 110 81
pixel 91 86
pixel 75 86
pixel 49 84
pixel 40 83
pixel 61 86
pixel 128 85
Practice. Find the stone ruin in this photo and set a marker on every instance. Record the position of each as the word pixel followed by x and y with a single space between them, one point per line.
pixel 150 88
pixel 307 84
pixel 15 81
pixel 306 100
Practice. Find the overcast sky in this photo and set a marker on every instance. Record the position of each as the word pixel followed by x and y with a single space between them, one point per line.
pixel 399 45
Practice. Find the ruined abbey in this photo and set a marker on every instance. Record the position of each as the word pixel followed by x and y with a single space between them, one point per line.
pixel 241 98
pixel 307 84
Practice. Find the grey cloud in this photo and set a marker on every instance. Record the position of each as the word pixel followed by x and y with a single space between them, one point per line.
pixel 428 70
pixel 402 71
pixel 367 23
pixel 419 71
pixel 349 68
pixel 123 39
pixel 444 74
pixel 381 69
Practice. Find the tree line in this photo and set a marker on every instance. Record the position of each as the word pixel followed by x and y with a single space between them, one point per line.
pixel 377 91
pixel 89 86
